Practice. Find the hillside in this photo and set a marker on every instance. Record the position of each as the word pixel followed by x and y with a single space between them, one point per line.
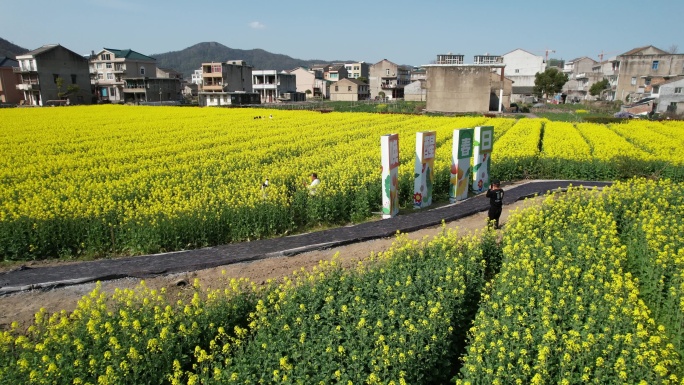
pixel 10 50
pixel 190 59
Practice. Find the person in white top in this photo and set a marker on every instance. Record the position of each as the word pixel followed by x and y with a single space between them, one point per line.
pixel 314 184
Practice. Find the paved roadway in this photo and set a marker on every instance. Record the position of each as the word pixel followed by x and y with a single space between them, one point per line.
pixel 47 277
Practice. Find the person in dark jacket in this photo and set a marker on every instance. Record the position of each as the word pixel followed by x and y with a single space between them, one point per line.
pixel 496 196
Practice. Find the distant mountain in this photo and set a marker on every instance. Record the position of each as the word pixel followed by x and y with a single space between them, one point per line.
pixel 10 50
pixel 190 59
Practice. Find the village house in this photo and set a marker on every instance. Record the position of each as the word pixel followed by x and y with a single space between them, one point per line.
pixel 388 79
pixel 9 94
pixel 53 74
pixel 350 90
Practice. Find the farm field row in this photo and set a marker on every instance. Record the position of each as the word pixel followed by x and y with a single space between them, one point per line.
pixel 119 180
pixel 586 287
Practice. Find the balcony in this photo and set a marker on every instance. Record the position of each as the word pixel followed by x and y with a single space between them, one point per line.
pixel 119 69
pixel 134 88
pixel 212 87
pixel 386 86
pixel 28 87
pixel 20 70
pixel 582 75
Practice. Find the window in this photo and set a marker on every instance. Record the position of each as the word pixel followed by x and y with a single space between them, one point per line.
pixel 98 66
pixel 55 77
pixel 517 71
pixel 336 88
pixel 348 88
pixel 678 90
pixel 142 70
pixel 647 81
pixel 110 76
pixel 108 65
pixel 656 90
pixel 654 66
pixel 73 79
pixel 105 56
pixel 216 68
pixel 100 76
pixel 633 80
pixel 387 71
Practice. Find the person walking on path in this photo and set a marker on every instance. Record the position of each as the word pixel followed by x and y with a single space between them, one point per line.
pixel 495 195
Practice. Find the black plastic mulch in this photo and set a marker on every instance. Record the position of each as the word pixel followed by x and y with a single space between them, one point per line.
pixel 159 264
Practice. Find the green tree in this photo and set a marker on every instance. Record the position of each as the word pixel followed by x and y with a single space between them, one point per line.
pixel 598 87
pixel 549 82
pixel 70 90
pixel 362 79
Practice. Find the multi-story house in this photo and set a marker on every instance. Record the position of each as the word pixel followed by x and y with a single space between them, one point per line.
pixel 336 72
pixel 196 77
pixel 110 67
pixel 671 96
pixel 8 82
pixel 449 58
pixel 521 68
pixel 488 59
pixel 311 82
pixel 351 90
pixel 642 69
pixel 54 74
pixel 357 70
pixel 272 85
pixel 581 77
pixel 388 78
pixel 221 80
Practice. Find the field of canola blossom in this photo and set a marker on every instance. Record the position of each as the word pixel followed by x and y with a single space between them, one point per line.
pixel 120 180
pixel 587 287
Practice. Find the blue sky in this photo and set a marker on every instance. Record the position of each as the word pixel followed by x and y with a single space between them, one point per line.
pixel 405 32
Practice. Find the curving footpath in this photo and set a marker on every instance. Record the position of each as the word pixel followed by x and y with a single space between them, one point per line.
pixel 146 266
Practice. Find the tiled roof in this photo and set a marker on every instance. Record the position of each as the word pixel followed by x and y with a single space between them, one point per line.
pixel 129 54
pixel 8 62
pixel 636 51
pixel 40 50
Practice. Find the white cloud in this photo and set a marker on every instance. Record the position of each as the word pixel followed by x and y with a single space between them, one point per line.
pixel 257 25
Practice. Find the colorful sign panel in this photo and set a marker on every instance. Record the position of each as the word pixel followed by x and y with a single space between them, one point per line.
pixel 424 171
pixel 389 147
pixel 460 164
pixel 482 149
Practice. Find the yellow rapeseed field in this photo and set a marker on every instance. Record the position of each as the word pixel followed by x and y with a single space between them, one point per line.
pixel 99 180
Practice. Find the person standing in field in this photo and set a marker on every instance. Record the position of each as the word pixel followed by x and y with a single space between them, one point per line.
pixel 495 195
pixel 313 186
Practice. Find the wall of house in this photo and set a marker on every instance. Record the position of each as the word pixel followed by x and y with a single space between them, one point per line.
pixel 237 78
pixel 415 92
pixel 458 88
pixel 521 66
pixel 63 63
pixel 377 73
pixel 667 96
pixel 348 91
pixel 641 66
pixel 8 86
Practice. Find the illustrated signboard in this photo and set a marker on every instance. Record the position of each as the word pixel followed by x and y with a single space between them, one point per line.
pixel 460 164
pixel 482 150
pixel 389 147
pixel 424 171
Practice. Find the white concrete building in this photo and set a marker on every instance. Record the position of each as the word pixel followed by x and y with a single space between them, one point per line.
pixel 671 97
pixel 271 84
pixel 196 77
pixel 521 68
